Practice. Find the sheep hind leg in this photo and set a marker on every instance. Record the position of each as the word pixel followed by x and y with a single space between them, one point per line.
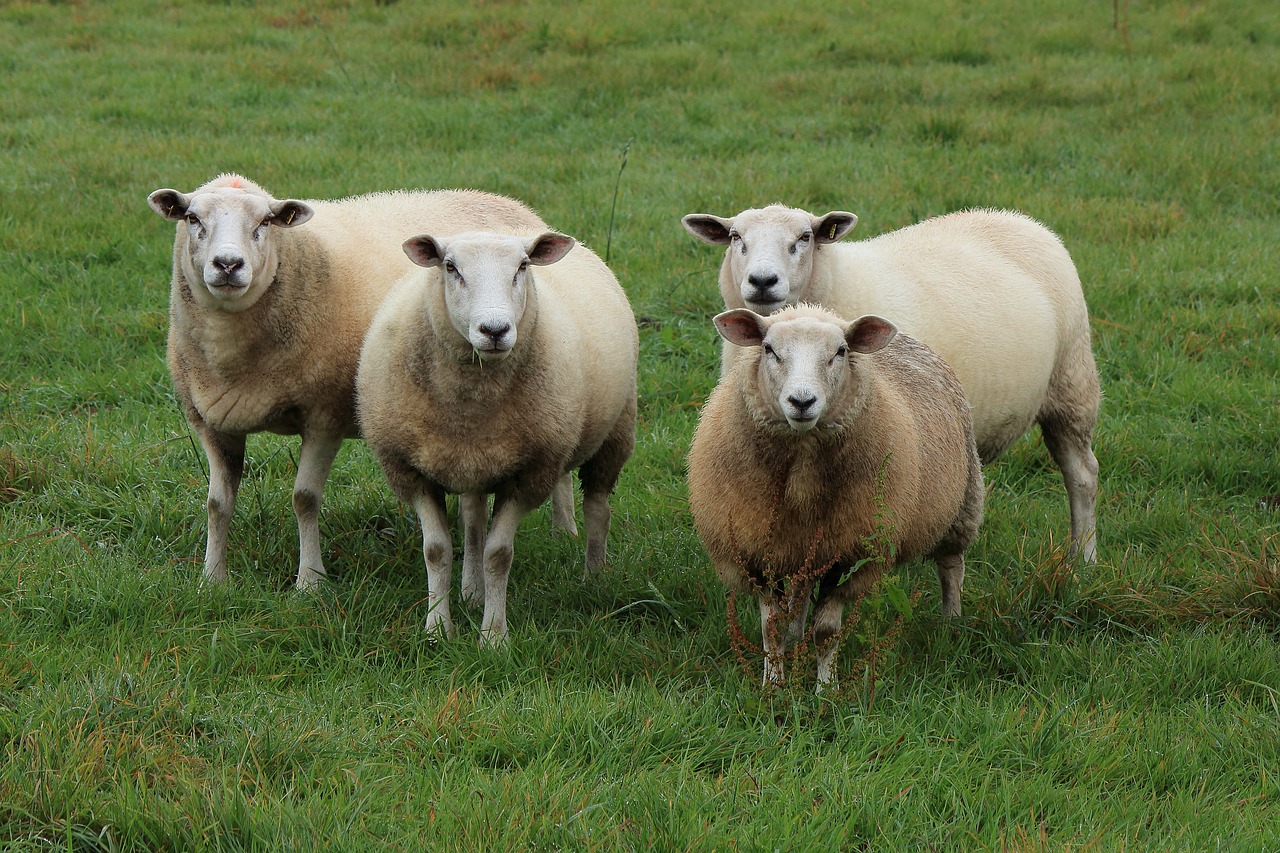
pixel 562 506
pixel 771 641
pixel 226 466
pixel 314 465
pixel 474 509
pixel 951 580
pixel 598 477
pixel 1071 449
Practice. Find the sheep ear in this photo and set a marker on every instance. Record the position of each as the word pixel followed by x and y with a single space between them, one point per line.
pixel 742 327
pixel 170 204
pixel 548 248
pixel 869 333
pixel 832 226
pixel 424 250
pixel 707 228
pixel 289 213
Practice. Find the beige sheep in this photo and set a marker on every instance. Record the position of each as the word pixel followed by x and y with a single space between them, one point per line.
pixel 495 369
pixel 831 451
pixel 269 304
pixel 993 292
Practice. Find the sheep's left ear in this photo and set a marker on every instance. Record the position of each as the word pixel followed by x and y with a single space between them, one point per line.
pixel 424 250
pixel 830 227
pixel 289 212
pixel 869 333
pixel 742 327
pixel 548 248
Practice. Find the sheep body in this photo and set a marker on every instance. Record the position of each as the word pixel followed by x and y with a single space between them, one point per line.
pixel 494 370
pixel 886 472
pixel 269 303
pixel 990 276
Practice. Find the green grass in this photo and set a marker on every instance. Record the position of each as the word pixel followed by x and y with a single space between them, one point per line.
pixel 1131 705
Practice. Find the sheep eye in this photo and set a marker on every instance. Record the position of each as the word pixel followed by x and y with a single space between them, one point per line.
pixel 192 219
pixel 769 351
pixel 450 267
pixel 840 353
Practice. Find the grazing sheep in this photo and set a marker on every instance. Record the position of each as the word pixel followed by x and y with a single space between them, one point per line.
pixel 830 451
pixel 268 308
pixel 503 364
pixel 949 282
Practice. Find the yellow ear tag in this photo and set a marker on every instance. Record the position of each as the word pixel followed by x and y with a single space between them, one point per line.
pixel 292 213
pixel 831 235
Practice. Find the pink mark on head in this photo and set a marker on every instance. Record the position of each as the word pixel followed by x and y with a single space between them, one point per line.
pixel 235 183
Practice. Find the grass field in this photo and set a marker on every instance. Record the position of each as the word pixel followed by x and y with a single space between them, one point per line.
pixel 1131 705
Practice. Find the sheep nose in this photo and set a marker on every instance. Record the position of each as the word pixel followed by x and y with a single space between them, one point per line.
pixel 762 282
pixel 802 404
pixel 228 264
pixel 494 330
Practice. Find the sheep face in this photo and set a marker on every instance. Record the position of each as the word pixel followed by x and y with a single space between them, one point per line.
pixel 769 261
pixel 228 246
pixel 805 367
pixel 486 282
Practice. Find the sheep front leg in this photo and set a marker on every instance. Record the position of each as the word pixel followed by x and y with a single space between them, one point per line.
pixel 596 514
pixel 437 550
pixel 771 641
pixel 827 619
pixel 499 548
pixel 226 465
pixel 474 509
pixel 314 463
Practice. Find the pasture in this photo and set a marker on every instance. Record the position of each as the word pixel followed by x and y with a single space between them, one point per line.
pixel 1133 704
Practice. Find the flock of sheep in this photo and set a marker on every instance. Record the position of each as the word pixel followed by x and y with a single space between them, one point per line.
pixel 480 353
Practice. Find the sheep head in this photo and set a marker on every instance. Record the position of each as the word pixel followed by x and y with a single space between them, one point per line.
pixel 230 258
pixel 805 362
pixel 485 279
pixel 769 260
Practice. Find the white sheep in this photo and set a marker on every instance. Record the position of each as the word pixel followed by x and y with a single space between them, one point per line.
pixel 993 292
pixel 501 365
pixel 829 452
pixel 269 303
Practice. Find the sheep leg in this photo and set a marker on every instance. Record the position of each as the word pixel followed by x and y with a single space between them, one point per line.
pixel 314 464
pixel 827 619
pixel 951 579
pixel 596 514
pixel 226 465
pixel 499 548
pixel 474 509
pixel 771 640
pixel 562 506
pixel 437 550
pixel 1071 449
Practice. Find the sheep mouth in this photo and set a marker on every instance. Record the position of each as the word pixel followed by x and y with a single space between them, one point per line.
pixel 764 309
pixel 802 424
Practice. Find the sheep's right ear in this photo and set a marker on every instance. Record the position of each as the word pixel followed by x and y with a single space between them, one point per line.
pixel 424 250
pixel 707 228
pixel 170 204
pixel 742 327
pixel 869 333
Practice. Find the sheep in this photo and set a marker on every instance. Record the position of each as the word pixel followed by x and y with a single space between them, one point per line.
pixel 829 451
pixel 950 282
pixel 269 302
pixel 499 366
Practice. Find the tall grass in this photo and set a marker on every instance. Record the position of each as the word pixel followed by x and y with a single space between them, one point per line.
pixel 1134 704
